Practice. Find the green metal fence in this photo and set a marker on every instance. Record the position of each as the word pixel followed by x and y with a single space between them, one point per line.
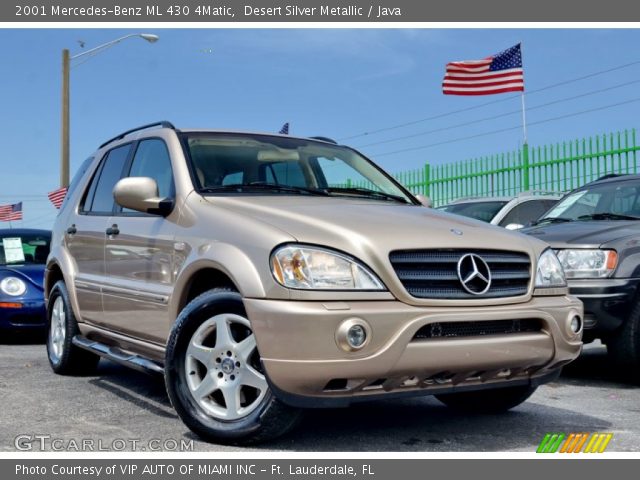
pixel 558 167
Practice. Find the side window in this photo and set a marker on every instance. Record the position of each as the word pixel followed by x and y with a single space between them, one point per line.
pixel 624 200
pixel 285 173
pixel 99 198
pixel 152 160
pixel 233 178
pixel 525 212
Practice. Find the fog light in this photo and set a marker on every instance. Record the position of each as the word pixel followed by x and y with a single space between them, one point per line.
pixel 356 336
pixel 353 334
pixel 576 324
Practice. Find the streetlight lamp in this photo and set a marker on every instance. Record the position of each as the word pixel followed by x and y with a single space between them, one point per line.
pixel 66 67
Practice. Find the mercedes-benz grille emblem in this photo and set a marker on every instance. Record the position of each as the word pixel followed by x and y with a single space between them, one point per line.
pixel 474 274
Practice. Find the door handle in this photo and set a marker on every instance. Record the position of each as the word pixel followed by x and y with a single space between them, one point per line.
pixel 113 230
pixel 72 230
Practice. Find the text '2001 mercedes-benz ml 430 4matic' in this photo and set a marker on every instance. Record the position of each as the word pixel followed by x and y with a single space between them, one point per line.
pixel 262 274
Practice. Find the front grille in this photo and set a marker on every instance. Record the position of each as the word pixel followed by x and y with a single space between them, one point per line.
pixel 478 328
pixel 434 273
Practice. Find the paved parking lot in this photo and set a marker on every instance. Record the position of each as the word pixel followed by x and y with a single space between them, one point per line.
pixel 119 404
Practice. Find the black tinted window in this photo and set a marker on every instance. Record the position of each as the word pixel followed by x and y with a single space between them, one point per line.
pixel 152 160
pixel 100 196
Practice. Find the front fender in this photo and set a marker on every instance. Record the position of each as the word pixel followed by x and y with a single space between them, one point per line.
pixel 235 264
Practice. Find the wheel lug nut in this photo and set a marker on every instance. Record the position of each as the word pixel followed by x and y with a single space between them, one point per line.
pixel 228 354
pixel 233 377
pixel 237 364
pixel 218 360
pixel 220 375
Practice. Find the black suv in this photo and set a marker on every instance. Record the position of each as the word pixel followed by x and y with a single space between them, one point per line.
pixel 595 231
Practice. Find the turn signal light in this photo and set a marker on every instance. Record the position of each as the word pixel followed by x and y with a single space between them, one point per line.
pixel 10 305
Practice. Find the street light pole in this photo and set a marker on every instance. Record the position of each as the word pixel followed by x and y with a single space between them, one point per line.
pixel 66 67
pixel 64 159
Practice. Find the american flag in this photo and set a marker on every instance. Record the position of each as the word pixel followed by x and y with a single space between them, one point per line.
pixel 11 213
pixel 499 73
pixel 285 129
pixel 57 196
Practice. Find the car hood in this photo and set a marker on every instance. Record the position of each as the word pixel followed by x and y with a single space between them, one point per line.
pixel 587 234
pixel 31 274
pixel 374 226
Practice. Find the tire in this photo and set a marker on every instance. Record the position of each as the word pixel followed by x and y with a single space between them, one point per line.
pixel 214 377
pixel 497 400
pixel 623 346
pixel 64 357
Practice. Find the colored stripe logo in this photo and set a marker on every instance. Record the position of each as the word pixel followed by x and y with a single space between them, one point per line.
pixel 574 442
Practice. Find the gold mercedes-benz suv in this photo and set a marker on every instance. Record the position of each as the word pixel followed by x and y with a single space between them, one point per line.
pixel 262 274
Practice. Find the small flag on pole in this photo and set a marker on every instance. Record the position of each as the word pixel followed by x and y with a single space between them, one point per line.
pixel 11 213
pixel 498 73
pixel 57 196
pixel 285 129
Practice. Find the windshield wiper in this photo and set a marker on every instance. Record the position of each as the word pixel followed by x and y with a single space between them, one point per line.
pixel 367 192
pixel 551 220
pixel 247 187
pixel 607 216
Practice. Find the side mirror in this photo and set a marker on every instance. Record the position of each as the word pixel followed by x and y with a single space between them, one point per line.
pixel 424 200
pixel 514 226
pixel 141 194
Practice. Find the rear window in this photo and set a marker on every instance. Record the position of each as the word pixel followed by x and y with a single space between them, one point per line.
pixel 484 211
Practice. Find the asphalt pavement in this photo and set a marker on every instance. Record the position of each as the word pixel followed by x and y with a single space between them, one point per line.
pixel 121 409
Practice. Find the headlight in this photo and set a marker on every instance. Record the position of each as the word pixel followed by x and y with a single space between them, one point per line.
pixel 588 263
pixel 13 286
pixel 550 273
pixel 314 268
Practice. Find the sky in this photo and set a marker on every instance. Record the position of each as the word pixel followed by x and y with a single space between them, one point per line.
pixel 340 83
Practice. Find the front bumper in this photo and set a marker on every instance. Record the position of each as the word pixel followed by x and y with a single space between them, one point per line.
pixel 607 301
pixel 306 366
pixel 32 315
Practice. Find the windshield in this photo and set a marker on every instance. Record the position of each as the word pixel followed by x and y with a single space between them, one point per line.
pixel 484 211
pixel 233 164
pixel 24 249
pixel 609 201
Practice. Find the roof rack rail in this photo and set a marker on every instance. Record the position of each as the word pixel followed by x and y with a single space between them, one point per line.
pixel 608 176
pixel 162 124
pixel 324 139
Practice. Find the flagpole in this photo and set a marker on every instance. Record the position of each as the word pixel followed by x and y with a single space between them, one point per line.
pixel 524 118
pixel 524 115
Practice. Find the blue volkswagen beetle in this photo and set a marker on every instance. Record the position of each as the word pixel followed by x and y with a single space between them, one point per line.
pixel 23 255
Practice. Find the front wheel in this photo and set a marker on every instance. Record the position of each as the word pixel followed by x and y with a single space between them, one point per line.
pixel 214 376
pixel 623 346
pixel 64 357
pixel 497 400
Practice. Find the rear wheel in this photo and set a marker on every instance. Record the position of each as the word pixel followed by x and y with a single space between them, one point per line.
pixel 497 400
pixel 64 357
pixel 214 376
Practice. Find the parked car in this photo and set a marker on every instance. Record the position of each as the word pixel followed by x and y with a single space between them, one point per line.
pixel 595 231
pixel 512 213
pixel 23 255
pixel 250 271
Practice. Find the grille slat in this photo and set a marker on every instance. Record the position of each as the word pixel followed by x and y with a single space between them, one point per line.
pixel 433 273
pixel 477 328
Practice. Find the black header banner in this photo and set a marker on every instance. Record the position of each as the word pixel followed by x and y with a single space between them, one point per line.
pixel 365 11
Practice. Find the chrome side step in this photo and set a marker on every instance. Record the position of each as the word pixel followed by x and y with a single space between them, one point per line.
pixel 119 356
